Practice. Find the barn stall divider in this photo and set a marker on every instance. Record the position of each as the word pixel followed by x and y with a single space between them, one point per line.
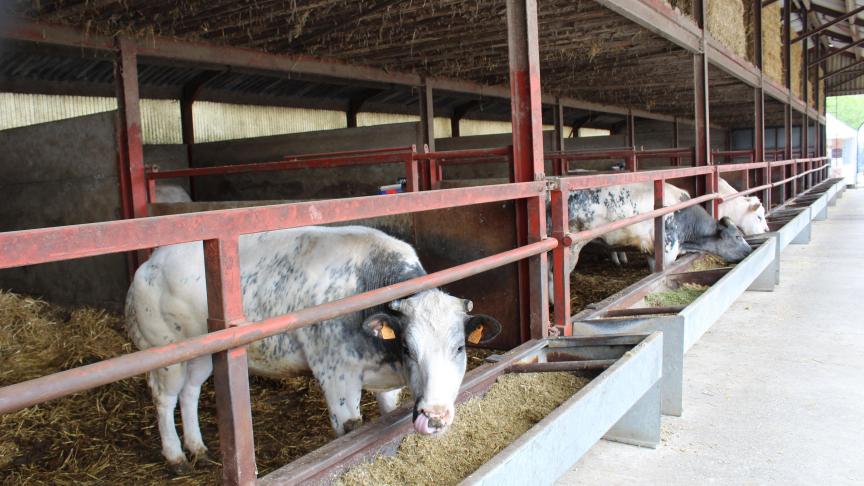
pixel 220 230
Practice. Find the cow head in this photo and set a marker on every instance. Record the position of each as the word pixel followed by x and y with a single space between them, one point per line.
pixel 429 331
pixel 726 242
pixel 753 221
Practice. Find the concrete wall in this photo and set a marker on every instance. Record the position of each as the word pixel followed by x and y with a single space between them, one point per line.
pixel 63 173
pixel 305 183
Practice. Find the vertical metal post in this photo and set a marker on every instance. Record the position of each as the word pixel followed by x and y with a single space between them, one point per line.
pixel 427 127
pixel 700 88
pixel 763 177
pixel 558 164
pixel 130 152
pixel 561 260
pixel 527 117
pixel 631 129
pixel 787 44
pixel 659 233
pixel 230 373
pixel 676 161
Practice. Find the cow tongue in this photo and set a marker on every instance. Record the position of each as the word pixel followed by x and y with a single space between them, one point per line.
pixel 421 424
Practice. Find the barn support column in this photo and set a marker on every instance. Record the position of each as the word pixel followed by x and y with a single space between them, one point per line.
pixel 427 129
pixel 130 152
pixel 704 185
pixel 230 373
pixel 459 113
pixel 676 140
pixel 764 177
pixel 558 164
pixel 188 95
pixel 526 112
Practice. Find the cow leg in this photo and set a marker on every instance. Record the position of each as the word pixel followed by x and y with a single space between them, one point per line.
pixel 165 385
pixel 622 256
pixel 388 400
pixel 342 393
pixel 197 372
pixel 613 255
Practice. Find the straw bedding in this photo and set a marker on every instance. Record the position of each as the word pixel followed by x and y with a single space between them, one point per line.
pixel 594 279
pixel 482 428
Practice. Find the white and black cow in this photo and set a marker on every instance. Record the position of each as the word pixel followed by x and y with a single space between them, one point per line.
pixel 690 229
pixel 418 341
pixel 168 193
pixel 746 212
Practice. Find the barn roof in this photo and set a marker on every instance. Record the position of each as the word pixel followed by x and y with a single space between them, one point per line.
pixel 592 51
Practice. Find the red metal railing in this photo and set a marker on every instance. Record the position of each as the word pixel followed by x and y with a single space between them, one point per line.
pixel 561 318
pixel 733 155
pixel 629 155
pixel 434 162
pixel 352 158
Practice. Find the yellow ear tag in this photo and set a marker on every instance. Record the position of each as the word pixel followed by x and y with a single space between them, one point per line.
pixel 387 333
pixel 476 335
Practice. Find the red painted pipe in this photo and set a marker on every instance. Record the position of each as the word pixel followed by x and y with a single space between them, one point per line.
pixel 31 392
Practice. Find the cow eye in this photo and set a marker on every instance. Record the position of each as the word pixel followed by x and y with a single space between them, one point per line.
pixel 460 349
pixel 406 351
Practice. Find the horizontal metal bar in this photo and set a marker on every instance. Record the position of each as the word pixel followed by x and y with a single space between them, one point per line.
pixel 828 24
pixel 406 148
pixel 587 365
pixel 31 247
pixel 31 392
pixel 742 166
pixel 730 197
pixel 468 153
pixel 621 223
pixel 573 183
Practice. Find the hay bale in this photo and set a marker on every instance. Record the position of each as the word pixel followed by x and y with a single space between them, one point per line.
pixel 482 428
pixel 727 23
pixel 772 42
pixel 797 58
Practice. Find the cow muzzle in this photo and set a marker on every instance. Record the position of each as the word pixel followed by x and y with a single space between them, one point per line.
pixel 432 420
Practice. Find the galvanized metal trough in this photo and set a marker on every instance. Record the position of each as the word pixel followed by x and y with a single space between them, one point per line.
pixel 622 403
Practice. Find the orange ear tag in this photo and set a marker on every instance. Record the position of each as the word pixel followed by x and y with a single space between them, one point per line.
pixel 387 333
pixel 476 335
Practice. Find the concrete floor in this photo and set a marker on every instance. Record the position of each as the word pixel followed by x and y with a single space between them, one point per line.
pixel 774 392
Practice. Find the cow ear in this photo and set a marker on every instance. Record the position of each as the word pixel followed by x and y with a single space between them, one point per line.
pixel 726 221
pixel 481 329
pixel 382 326
pixel 754 203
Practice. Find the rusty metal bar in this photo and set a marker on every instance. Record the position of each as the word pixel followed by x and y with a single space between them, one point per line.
pixel 528 163
pixel 587 365
pixel 702 154
pixel 341 153
pixel 279 165
pixel 659 230
pixel 835 52
pixel 561 261
pixel 742 166
pixel 573 183
pixel 130 147
pixel 31 247
pixel 230 373
pixel 827 25
pixel 621 223
pixel 745 192
pixel 31 392
pixel 467 153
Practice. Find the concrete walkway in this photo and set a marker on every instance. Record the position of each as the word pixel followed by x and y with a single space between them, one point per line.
pixel 774 392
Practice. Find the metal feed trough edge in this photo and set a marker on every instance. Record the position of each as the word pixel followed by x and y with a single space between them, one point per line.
pixel 622 403
pixel 703 312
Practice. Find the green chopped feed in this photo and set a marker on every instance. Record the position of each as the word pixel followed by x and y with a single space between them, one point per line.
pixel 683 295
pixel 482 428
pixel 708 261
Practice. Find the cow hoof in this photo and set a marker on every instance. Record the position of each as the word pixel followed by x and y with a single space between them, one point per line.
pixel 180 468
pixel 353 424
pixel 202 456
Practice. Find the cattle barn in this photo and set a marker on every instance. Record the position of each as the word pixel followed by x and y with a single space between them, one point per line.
pixel 487 147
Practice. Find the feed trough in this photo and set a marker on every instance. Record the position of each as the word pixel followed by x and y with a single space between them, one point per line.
pixel 621 402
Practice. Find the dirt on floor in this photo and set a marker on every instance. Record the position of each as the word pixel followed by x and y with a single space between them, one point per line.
pixel 596 278
pixel 108 435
